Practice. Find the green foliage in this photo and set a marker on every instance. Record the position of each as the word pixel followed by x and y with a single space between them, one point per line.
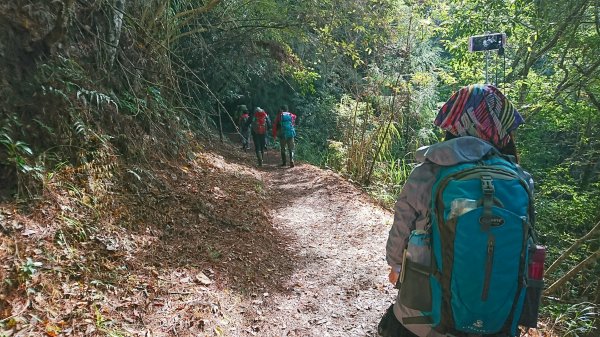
pixel 389 177
pixel 317 124
pixel 17 152
pixel 18 155
pixel 94 97
pixel 337 155
pixel 29 268
pixel 307 149
pixel 573 320
pixel 213 253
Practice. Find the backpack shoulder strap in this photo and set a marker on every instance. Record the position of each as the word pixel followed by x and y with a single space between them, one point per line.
pixel 523 175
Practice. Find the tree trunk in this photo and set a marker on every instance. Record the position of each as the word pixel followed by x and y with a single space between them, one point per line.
pixel 114 34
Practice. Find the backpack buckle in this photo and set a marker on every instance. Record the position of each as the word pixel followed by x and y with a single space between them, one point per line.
pixel 487 185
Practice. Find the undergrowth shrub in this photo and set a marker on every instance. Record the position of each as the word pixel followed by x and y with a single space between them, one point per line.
pixel 572 320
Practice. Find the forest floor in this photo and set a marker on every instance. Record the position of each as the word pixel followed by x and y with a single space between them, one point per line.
pixel 321 259
pixel 212 246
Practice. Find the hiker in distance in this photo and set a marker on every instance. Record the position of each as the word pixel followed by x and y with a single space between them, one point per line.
pixel 463 228
pixel 244 127
pixel 285 130
pixel 259 123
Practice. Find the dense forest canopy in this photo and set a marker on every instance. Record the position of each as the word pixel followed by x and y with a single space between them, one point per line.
pixel 103 86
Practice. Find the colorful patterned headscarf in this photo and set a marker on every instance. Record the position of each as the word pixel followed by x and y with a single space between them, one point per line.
pixel 481 111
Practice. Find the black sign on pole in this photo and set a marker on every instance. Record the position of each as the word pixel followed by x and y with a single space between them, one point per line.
pixel 487 42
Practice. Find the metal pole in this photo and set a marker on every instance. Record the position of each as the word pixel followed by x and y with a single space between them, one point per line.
pixel 486 65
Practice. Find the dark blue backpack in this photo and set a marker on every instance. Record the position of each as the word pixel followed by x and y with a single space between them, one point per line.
pixel 481 214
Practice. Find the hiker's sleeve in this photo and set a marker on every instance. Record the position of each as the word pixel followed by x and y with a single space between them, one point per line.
pixel 249 121
pixel 405 218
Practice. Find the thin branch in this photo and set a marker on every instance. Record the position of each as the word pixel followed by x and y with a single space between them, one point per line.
pixel 192 13
pixel 578 78
pixel 573 272
pixel 200 10
pixel 571 249
pixel 574 18
pixel 592 98
pixel 204 29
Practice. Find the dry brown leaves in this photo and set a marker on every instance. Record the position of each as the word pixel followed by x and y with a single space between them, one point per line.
pixel 146 260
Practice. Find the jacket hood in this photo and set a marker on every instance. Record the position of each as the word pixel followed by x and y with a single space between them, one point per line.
pixel 454 151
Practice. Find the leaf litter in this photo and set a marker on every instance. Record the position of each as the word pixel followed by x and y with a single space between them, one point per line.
pixel 207 247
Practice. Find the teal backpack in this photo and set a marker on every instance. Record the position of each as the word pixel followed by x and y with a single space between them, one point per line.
pixel 467 272
pixel 287 125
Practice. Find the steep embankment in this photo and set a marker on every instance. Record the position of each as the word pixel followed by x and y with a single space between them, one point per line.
pixel 208 246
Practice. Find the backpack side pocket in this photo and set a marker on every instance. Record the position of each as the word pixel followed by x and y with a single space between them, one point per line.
pixel 535 285
pixel 415 289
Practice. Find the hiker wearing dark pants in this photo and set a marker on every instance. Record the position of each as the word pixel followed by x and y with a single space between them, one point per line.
pixel 284 130
pixel 260 122
pixel 260 144
pixel 290 145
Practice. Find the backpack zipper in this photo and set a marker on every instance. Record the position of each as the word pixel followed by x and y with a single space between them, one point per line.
pixel 488 267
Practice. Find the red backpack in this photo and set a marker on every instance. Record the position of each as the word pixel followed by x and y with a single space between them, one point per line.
pixel 259 124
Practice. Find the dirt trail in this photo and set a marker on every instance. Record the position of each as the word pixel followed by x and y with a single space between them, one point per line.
pixel 316 269
pixel 338 288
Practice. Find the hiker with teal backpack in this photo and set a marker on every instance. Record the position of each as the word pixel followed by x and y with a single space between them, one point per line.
pixel 259 123
pixel 462 248
pixel 285 130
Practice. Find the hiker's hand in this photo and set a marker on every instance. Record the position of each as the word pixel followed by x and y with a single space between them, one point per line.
pixel 393 277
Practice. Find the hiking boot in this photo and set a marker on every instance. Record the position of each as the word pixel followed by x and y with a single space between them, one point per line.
pixel 291 164
pixel 283 158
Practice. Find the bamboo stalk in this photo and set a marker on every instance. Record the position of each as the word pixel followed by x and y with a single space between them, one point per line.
pixel 189 15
